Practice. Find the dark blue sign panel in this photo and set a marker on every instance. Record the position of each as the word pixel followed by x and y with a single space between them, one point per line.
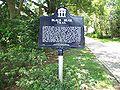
pixel 61 30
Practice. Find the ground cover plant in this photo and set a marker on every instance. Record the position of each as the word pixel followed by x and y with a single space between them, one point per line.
pixel 80 71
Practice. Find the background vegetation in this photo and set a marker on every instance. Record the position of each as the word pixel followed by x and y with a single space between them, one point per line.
pixel 23 64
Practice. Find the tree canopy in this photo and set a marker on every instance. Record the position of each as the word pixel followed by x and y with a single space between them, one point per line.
pixel 103 16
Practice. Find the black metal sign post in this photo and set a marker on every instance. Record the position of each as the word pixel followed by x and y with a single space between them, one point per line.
pixel 61 31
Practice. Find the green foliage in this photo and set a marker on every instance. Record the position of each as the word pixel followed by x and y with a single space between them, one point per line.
pixel 78 5
pixel 79 69
pixel 115 26
pixel 39 78
pixel 18 49
pixel 105 19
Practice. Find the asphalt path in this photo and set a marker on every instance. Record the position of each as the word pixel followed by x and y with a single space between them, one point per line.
pixel 108 53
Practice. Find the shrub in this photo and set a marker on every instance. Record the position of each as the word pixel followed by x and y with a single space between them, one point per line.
pixel 18 49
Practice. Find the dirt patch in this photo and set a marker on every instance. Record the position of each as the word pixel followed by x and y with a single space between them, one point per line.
pixel 51 56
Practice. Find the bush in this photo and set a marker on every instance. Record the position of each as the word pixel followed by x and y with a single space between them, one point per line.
pixel 18 49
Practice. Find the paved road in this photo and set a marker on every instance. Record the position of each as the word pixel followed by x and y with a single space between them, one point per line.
pixel 107 53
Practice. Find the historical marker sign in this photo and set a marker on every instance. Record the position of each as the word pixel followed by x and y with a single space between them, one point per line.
pixel 61 30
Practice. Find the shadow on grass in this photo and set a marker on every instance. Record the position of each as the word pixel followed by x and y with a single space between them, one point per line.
pixel 81 66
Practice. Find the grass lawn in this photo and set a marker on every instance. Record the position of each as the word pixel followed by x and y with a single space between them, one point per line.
pixel 117 39
pixel 85 70
pixel 109 40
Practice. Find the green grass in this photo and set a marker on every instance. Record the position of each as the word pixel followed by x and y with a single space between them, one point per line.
pixel 109 39
pixel 105 39
pixel 92 73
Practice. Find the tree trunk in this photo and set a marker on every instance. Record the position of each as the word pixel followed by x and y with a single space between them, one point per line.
pixel 11 8
pixel 20 7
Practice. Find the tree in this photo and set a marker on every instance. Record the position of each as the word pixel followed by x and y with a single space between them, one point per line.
pixel 20 6
pixel 11 8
